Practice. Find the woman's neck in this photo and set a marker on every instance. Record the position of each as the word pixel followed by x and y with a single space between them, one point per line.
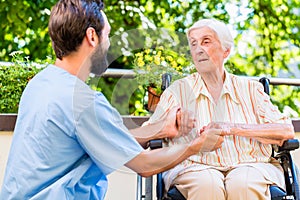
pixel 214 83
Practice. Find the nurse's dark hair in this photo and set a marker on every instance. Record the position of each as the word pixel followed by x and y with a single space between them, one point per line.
pixel 69 21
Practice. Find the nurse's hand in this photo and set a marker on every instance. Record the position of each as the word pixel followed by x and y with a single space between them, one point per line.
pixel 185 122
pixel 170 128
pixel 209 139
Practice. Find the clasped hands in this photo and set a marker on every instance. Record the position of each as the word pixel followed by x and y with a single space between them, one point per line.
pixel 209 138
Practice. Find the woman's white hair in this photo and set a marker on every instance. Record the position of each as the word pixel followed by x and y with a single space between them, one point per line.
pixel 219 27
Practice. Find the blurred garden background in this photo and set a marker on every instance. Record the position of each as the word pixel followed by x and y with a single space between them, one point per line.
pixel 267 43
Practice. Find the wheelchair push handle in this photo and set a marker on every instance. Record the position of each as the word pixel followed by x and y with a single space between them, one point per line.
pixel 166 80
pixel 265 82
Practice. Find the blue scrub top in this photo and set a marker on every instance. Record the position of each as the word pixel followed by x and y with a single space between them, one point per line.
pixel 66 140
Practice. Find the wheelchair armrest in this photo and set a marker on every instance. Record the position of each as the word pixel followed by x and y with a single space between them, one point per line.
pixel 155 144
pixel 288 145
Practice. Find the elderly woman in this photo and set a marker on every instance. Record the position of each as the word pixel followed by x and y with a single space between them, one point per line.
pixel 243 167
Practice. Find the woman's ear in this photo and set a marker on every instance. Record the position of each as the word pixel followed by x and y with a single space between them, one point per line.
pixel 91 36
pixel 226 52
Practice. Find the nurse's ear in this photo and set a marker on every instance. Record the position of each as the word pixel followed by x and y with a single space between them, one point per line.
pixel 92 37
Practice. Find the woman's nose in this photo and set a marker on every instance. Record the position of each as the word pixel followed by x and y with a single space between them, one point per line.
pixel 199 50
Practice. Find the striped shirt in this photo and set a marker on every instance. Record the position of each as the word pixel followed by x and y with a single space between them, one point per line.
pixel 241 101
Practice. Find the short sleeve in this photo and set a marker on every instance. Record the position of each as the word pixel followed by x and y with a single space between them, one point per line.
pixel 101 132
pixel 266 112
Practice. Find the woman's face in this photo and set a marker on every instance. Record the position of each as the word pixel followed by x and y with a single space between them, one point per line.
pixel 206 49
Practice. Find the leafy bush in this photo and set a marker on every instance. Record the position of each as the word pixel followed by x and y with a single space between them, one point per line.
pixel 13 79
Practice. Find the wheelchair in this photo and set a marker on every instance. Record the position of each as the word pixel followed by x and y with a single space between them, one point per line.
pixel 281 153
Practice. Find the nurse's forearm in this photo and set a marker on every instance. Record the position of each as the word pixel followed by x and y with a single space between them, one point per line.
pixel 149 132
pixel 155 161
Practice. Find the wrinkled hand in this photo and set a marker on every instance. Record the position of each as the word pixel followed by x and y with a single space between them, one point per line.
pixel 225 126
pixel 210 138
pixel 185 122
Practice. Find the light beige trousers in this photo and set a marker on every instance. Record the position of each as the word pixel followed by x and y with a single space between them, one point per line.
pixel 241 183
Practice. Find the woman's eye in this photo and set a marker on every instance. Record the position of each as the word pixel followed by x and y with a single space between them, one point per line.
pixel 205 41
pixel 194 43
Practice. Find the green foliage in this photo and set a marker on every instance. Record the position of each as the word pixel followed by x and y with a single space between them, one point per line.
pixel 287 98
pixel 24 26
pixel 124 94
pixel 271 38
pixel 14 77
pixel 268 45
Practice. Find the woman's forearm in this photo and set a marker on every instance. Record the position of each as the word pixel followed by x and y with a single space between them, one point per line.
pixel 271 133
